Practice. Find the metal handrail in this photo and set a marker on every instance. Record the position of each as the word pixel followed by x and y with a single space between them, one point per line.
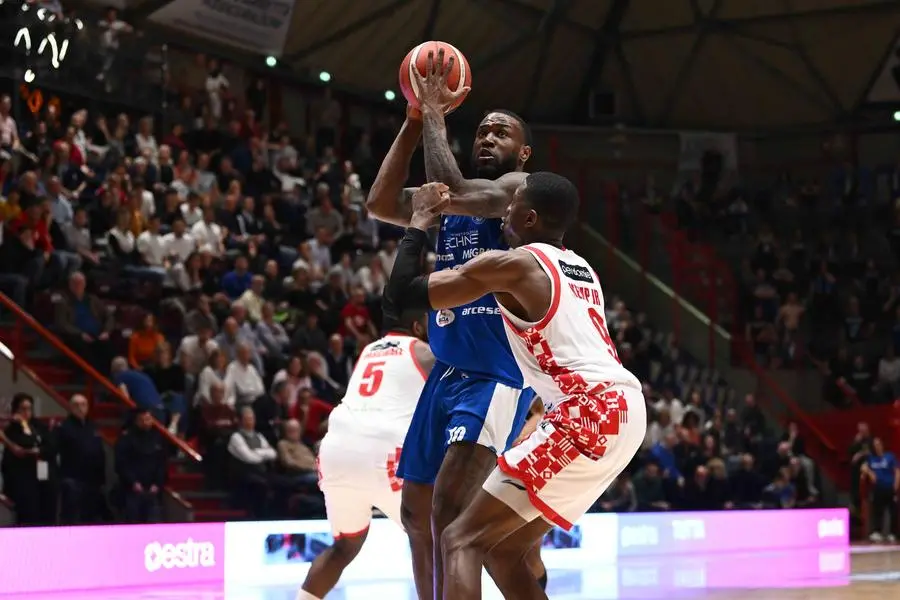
pixel 23 317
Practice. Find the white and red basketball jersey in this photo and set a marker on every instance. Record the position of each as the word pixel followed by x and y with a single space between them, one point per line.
pixel 569 352
pixel 383 390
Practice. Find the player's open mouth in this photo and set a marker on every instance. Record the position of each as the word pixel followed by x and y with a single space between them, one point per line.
pixel 485 156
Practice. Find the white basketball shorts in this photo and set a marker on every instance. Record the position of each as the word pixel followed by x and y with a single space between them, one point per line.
pixel 355 474
pixel 576 452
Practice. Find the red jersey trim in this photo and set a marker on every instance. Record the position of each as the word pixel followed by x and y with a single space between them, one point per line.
pixel 548 513
pixel 415 359
pixel 554 294
pixel 354 534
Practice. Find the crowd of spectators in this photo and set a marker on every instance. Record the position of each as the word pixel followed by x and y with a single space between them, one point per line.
pixel 224 274
pixel 211 266
pixel 816 269
pixel 704 452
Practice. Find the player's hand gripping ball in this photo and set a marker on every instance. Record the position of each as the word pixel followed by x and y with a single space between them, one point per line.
pixel 435 75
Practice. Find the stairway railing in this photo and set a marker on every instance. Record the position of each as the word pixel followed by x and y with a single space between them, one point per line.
pixel 94 379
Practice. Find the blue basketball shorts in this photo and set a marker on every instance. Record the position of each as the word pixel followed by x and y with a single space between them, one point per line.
pixel 458 407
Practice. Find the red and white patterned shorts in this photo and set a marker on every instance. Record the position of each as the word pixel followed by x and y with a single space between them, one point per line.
pixel 576 452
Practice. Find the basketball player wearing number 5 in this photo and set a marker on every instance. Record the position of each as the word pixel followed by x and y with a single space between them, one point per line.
pixel 553 312
pixel 358 456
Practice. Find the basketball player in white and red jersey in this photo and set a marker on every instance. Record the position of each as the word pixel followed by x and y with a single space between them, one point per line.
pixel 553 311
pixel 359 454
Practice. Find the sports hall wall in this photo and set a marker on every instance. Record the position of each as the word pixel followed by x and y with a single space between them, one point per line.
pixel 617 553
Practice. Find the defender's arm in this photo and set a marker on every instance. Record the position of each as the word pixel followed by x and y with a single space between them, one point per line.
pixel 493 271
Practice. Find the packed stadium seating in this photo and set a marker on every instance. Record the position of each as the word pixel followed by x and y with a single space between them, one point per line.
pixel 230 263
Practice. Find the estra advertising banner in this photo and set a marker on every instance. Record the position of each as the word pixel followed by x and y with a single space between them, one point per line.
pixel 43 559
pixel 604 555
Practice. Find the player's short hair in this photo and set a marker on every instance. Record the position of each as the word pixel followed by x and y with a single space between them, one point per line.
pixel 554 197
pixel 526 130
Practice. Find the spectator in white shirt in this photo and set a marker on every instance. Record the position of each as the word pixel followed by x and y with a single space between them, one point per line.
pixel 191 210
pixel 372 277
pixel 216 86
pixel 120 238
pixel 145 140
pixel 208 234
pixel 212 374
pixel 195 350
pixel 252 299
pixel 9 134
pixel 243 384
pixel 670 403
pixel 178 245
pixel 252 453
pixel 112 26
pixel 148 202
pixel 150 245
pixel 387 255
pixel 79 137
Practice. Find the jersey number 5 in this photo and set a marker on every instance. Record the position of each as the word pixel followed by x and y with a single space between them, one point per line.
pixel 371 378
pixel 600 324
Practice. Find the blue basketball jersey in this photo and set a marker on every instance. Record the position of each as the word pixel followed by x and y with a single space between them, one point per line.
pixel 472 337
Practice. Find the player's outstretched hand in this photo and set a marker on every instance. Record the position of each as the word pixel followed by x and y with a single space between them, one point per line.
pixel 427 204
pixel 434 93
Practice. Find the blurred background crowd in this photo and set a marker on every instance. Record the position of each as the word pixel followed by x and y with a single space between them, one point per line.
pixel 213 268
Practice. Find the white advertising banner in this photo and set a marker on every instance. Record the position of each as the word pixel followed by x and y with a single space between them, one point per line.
pixel 260 26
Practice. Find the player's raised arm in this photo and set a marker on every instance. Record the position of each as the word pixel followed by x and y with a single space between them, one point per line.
pixel 472 197
pixel 388 200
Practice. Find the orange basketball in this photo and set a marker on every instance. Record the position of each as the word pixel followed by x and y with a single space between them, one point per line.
pixel 460 76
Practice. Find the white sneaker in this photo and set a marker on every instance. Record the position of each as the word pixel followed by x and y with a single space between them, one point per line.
pixel 891 539
pixel 876 538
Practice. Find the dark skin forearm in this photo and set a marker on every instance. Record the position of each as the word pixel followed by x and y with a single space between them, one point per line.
pixel 440 164
pixel 388 200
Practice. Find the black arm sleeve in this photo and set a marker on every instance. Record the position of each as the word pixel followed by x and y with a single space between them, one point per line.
pixel 407 288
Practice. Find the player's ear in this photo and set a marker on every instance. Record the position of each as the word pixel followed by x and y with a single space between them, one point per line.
pixel 531 218
pixel 524 154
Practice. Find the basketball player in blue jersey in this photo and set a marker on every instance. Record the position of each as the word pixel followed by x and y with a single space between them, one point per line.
pixel 473 405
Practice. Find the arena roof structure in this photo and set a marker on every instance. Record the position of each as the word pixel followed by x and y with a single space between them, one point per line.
pixel 725 64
